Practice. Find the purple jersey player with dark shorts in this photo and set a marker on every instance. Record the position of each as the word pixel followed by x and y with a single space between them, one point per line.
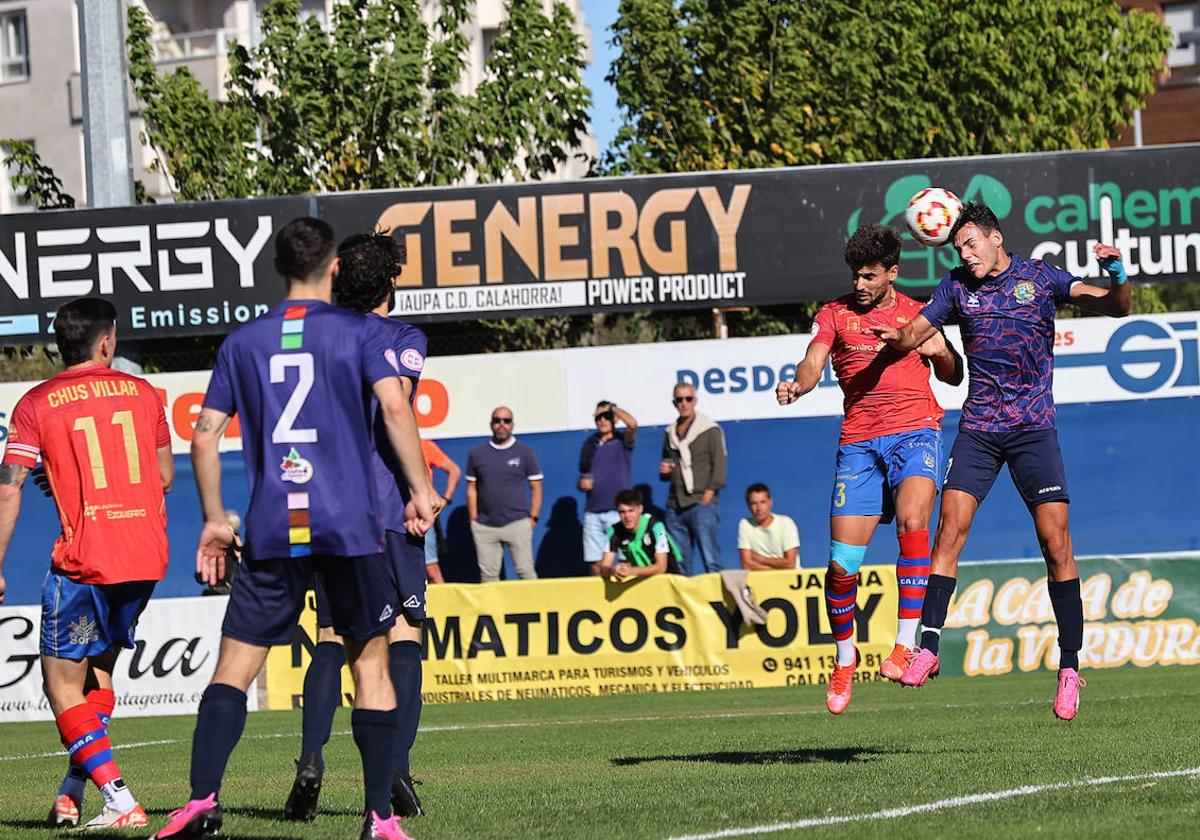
pixel 300 377
pixel 369 266
pixel 1006 307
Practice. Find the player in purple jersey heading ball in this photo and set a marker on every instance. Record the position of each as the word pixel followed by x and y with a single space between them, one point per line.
pixel 1005 306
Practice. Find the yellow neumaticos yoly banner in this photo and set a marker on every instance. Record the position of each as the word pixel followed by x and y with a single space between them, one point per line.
pixel 586 637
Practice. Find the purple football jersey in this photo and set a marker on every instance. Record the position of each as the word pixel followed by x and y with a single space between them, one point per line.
pixel 300 378
pixel 1007 324
pixel 406 354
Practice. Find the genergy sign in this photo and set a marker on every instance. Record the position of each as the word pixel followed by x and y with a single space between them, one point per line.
pixel 1096 359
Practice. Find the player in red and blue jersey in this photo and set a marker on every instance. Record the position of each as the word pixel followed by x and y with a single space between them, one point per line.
pixel 103 440
pixel 889 454
pixel 369 267
pixel 1006 307
pixel 301 377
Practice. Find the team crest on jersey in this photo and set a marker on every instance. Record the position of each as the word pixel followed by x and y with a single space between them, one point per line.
pixel 295 469
pixel 1024 292
pixel 972 301
pixel 83 631
pixel 853 324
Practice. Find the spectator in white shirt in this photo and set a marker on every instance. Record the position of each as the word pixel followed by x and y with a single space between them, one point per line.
pixel 767 540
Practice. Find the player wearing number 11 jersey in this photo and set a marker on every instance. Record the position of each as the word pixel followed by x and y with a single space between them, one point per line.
pixel 301 377
pixel 103 440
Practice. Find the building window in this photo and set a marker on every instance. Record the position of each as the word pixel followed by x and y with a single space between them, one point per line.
pixel 14 48
pixel 12 200
pixel 1184 19
pixel 487 38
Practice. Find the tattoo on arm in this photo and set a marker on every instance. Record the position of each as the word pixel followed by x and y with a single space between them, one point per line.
pixel 204 424
pixel 13 474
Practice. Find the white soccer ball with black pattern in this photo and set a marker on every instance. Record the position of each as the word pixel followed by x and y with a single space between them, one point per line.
pixel 931 214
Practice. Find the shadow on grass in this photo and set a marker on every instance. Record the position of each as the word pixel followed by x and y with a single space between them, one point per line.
pixel 837 755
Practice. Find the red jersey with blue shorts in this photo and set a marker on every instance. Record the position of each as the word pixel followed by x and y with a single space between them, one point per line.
pixel 98 432
pixel 885 391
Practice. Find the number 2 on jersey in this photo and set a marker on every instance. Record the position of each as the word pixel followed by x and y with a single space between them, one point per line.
pixel 124 419
pixel 284 431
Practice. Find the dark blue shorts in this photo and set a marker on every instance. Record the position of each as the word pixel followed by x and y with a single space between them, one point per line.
pixel 869 472
pixel 407 558
pixel 1034 460
pixel 268 596
pixel 81 620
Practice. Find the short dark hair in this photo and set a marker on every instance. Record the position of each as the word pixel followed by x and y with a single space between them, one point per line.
pixel 758 487
pixel 873 244
pixel 975 213
pixel 303 247
pixel 368 265
pixel 79 325
pixel 628 497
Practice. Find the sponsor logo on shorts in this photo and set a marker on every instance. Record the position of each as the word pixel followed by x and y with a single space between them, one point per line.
pixel 387 613
pixel 1024 292
pixel 412 602
pixel 930 462
pixel 295 469
pixel 949 464
pixel 83 631
pixel 1049 489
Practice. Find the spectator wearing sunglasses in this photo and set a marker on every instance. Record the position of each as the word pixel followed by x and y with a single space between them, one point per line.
pixel 504 497
pixel 695 463
pixel 605 466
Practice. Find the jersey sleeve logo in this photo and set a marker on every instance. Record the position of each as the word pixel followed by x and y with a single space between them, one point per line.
pixel 1024 292
pixel 390 355
pixel 296 469
pixel 412 360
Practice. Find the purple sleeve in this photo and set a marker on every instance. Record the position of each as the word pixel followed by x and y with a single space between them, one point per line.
pixel 410 345
pixel 941 304
pixel 533 469
pixel 1060 281
pixel 376 349
pixel 219 396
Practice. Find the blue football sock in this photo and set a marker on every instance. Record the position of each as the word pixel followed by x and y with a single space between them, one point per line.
pixel 322 696
pixel 404 664
pixel 219 725
pixel 375 735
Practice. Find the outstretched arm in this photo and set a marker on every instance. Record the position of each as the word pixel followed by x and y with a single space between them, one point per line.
pixel 908 337
pixel 808 374
pixel 947 364
pixel 1117 300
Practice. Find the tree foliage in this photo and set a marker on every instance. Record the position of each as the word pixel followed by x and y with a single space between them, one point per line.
pixel 727 84
pixel 372 102
pixel 33 178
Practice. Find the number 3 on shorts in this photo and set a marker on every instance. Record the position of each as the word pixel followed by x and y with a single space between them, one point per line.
pixel 839 494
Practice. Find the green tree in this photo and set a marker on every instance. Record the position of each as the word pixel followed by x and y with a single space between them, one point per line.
pixel 33 178
pixel 730 84
pixel 369 103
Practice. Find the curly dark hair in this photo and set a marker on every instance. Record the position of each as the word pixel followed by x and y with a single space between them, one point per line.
pixel 873 244
pixel 369 263
pixel 975 213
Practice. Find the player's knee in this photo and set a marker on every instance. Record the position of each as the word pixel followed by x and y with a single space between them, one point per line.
pixel 1056 546
pixel 909 522
pixel 848 557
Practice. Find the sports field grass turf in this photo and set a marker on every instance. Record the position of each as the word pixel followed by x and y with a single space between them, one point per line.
pixel 681 764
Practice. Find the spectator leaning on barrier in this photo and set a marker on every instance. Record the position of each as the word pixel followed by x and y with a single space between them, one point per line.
pixel 605 467
pixel 767 540
pixel 694 462
pixel 501 512
pixel 638 543
pixel 435 458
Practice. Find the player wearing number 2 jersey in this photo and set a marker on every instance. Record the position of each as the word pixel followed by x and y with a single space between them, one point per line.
pixel 890 448
pixel 103 440
pixel 301 377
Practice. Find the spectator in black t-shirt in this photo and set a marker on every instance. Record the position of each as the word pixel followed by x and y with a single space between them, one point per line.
pixel 638 544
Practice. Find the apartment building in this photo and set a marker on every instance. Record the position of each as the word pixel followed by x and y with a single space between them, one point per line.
pixel 41 94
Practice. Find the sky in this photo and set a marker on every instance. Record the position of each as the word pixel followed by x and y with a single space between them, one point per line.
pixel 600 15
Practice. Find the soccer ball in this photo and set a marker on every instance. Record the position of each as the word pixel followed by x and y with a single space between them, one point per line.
pixel 930 215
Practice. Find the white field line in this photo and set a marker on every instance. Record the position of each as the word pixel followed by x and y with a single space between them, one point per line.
pixel 940 805
pixel 483 727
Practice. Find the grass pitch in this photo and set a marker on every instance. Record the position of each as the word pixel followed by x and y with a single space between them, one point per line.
pixel 736 762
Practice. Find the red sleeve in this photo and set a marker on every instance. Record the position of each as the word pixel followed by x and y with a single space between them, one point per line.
pixel 24 437
pixel 162 432
pixel 824 326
